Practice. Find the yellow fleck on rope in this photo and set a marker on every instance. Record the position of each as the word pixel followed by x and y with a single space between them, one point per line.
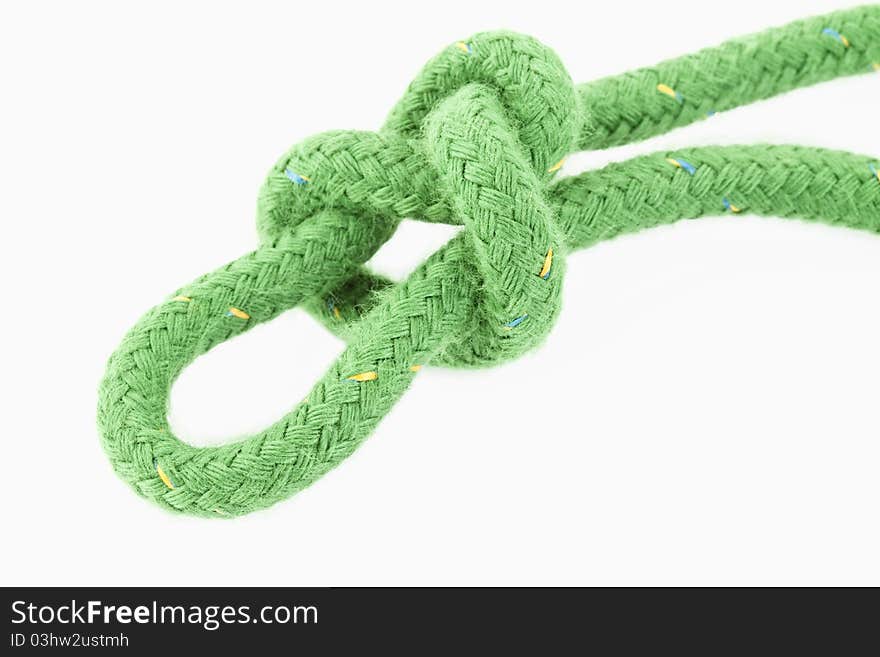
pixel 415 368
pixel 182 298
pixel 464 47
pixel 836 35
pixel 730 206
pixel 297 178
pixel 682 164
pixel 164 477
pixel 548 262
pixel 334 310
pixel 364 376
pixel 235 312
pixel 669 91
pixel 557 166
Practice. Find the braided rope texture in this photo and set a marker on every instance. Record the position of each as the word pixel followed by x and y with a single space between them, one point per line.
pixel 476 140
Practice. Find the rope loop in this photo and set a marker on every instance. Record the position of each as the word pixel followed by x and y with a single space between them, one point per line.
pixel 509 225
pixel 486 124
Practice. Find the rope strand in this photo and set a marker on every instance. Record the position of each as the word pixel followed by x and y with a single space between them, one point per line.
pixel 476 139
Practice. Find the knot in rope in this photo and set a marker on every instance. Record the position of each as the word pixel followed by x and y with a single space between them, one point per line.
pixel 486 124
pixel 475 141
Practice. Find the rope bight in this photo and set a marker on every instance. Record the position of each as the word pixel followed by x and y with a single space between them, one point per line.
pixel 476 140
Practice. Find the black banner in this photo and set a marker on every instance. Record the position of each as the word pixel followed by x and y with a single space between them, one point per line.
pixel 324 621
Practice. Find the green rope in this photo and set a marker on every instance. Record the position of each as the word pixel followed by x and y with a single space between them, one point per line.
pixel 476 140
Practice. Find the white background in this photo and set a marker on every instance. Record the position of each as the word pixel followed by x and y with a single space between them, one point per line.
pixel 705 411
